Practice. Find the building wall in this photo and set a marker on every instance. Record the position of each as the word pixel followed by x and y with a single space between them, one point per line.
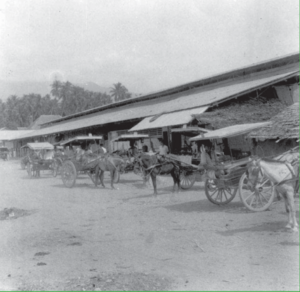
pixel 239 143
pixel 270 148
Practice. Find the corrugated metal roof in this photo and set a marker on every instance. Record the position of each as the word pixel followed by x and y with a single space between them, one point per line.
pixel 7 135
pixel 181 101
pixel 231 131
pixel 169 119
pixel 281 65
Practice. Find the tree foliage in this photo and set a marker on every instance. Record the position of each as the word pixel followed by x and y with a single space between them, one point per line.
pixel 64 99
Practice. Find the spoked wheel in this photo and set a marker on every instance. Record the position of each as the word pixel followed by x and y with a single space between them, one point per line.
pixel 68 174
pixel 218 193
pixel 116 176
pixel 258 199
pixel 187 179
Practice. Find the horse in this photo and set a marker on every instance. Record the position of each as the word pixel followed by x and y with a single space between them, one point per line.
pixel 154 166
pixel 110 163
pixel 285 176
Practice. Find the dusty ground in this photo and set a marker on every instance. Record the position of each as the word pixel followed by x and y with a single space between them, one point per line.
pixel 55 238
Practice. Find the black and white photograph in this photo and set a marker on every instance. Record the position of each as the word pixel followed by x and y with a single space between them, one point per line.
pixel 149 145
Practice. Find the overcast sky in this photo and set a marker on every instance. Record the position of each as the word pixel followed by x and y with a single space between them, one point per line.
pixel 147 45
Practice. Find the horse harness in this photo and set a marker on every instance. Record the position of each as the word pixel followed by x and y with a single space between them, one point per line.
pixel 294 177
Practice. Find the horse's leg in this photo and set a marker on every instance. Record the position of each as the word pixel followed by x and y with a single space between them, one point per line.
pixel 292 214
pixel 177 176
pixel 287 208
pixel 174 180
pixel 97 171
pixel 112 174
pixel 102 177
pixel 153 177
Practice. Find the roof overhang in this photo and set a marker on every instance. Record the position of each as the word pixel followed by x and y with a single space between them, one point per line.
pixel 39 146
pixel 190 131
pixel 80 138
pixel 202 97
pixel 168 119
pixel 228 132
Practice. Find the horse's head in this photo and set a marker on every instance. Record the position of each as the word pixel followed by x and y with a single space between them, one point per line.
pixel 254 172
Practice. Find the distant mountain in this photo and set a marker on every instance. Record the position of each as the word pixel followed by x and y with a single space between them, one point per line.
pixel 91 86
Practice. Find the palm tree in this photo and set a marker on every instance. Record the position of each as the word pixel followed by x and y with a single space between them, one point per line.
pixel 118 92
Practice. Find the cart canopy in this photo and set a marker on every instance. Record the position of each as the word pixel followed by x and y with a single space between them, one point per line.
pixel 39 146
pixel 80 138
pixel 129 137
pixel 190 131
pixel 231 131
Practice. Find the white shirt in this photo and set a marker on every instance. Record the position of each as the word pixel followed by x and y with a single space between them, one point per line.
pixel 163 150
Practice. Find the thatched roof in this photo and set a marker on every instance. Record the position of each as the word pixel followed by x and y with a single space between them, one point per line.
pixel 285 125
pixel 244 112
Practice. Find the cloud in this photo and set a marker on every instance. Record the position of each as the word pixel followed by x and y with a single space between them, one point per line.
pixel 146 45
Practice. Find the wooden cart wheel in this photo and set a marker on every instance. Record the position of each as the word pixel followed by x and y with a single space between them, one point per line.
pixel 116 176
pixel 68 174
pixel 187 179
pixel 259 199
pixel 218 193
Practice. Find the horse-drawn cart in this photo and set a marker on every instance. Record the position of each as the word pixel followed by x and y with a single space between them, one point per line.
pixel 75 160
pixel 40 157
pixel 222 179
pixel 132 163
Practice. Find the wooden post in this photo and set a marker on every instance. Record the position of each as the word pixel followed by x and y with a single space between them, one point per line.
pixel 169 139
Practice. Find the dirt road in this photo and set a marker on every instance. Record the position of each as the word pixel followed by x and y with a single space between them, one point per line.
pixel 87 238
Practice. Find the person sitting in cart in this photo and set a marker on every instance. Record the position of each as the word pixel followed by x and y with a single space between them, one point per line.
pixel 102 148
pixel 132 151
pixel 195 151
pixel 163 151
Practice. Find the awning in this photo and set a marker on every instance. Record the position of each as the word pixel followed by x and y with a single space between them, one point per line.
pixel 190 130
pixel 39 146
pixel 168 119
pixel 80 138
pixel 231 131
pixel 131 137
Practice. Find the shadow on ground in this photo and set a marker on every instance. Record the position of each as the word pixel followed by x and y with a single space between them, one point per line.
pixel 277 226
pixel 206 206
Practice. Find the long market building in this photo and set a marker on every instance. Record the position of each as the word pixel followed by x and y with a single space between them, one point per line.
pixel 173 114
